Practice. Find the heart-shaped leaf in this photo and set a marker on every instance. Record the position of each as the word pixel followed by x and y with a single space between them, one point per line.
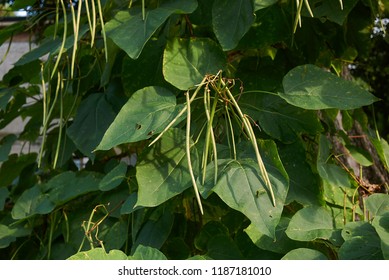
pixel 311 87
pixel 148 111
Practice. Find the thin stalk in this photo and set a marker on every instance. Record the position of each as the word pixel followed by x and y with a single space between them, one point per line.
pixel 308 7
pixel 209 134
pixel 103 29
pixel 44 93
pixel 261 165
pixel 63 40
pixel 76 25
pixel 7 51
pixel 180 113
pixel 56 19
pixel 250 132
pixel 196 190
pixel 143 10
pixel 60 122
pixel 298 15
pixel 232 132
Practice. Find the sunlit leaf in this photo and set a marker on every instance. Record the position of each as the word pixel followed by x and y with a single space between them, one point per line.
pixel 311 87
pixel 147 112
pixel 99 254
pixel 304 254
pixel 131 32
pixel 186 62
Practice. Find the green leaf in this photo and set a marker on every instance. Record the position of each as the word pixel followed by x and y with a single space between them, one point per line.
pixel 361 242
pixel 94 116
pixel 303 183
pixel 277 118
pixel 163 171
pixel 304 254
pixel 281 244
pixel 9 234
pixel 5 96
pixel 331 10
pixel 4 193
pixel 114 235
pixel 11 169
pixel 381 225
pixel 186 62
pixel 129 205
pixel 231 20
pixel 310 223
pixel 32 201
pixel 99 254
pixel 155 231
pixel 130 32
pixel 147 253
pixel 6 146
pixel 242 188
pixel 209 230
pixel 261 4
pixel 147 112
pixel 377 204
pixel 222 247
pixel 311 87
pixel 150 61
pixel 43 198
pixel 113 178
pixel 50 46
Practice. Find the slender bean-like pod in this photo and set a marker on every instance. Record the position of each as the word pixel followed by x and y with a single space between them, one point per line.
pixel 209 134
pixel 76 30
pixel 298 15
pixel 253 140
pixel 103 29
pixel 143 10
pixel 188 146
pixel 341 4
pixel 60 81
pixel 180 113
pixel 308 7
pixel 61 49
pixel 261 165
pixel 232 131
pixel 56 19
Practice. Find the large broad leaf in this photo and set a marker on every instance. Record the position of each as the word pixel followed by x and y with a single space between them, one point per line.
pixel 377 204
pixel 282 243
pixel 186 62
pixel 43 198
pixel 131 32
pixel 331 9
pixel 361 242
pixel 156 230
pixel 241 186
pixel 50 46
pixel 99 254
pixel 6 146
pixel 147 253
pixel 11 169
pixel 311 87
pixel 261 4
pixel 381 225
pixel 277 118
pixel 163 171
pixel 94 116
pixel 304 254
pixel 8 234
pixel 303 183
pixel 113 178
pixel 148 111
pixel 231 20
pixel 310 223
pixel 150 61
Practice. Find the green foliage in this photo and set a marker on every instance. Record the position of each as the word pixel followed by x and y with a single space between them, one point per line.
pixel 193 129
